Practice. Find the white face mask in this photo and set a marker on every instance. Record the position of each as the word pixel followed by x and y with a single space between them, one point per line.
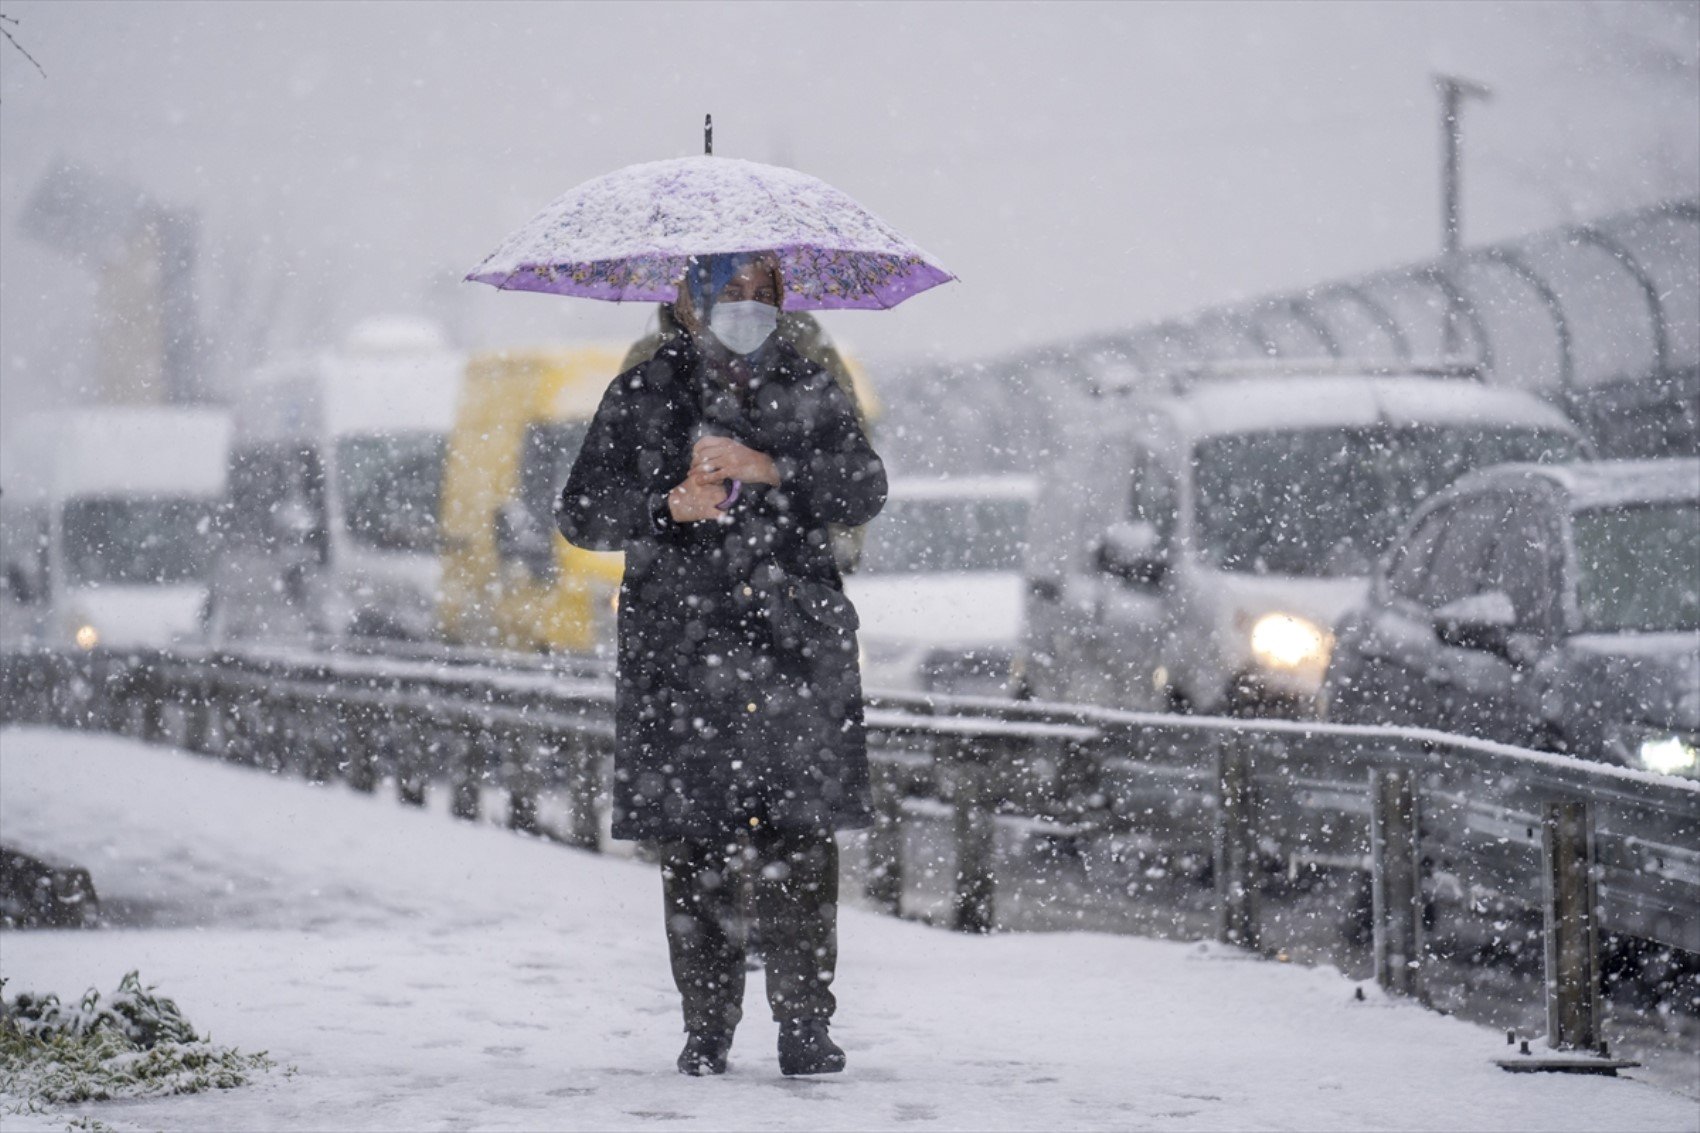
pixel 743 326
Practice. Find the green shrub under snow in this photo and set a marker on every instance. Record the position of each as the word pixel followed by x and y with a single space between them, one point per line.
pixel 131 1044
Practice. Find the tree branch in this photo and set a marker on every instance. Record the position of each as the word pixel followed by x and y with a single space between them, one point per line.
pixel 11 40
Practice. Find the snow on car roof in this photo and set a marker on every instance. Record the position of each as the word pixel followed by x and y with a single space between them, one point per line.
pixel 1251 405
pixel 964 487
pixel 1605 483
pixel 369 392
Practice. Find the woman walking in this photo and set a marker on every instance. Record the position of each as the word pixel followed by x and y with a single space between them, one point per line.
pixel 717 467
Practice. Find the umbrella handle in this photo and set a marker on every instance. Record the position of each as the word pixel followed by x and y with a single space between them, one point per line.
pixel 731 495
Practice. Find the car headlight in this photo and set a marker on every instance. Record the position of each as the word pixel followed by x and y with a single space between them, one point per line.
pixel 1658 750
pixel 1288 642
pixel 86 637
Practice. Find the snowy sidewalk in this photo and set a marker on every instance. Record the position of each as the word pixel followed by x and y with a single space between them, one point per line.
pixel 422 973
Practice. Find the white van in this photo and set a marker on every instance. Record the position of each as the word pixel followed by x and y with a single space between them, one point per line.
pixel 336 486
pixel 110 524
pixel 939 586
pixel 1195 544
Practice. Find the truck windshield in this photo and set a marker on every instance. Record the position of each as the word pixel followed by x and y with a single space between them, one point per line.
pixel 918 535
pixel 550 449
pixel 1636 568
pixel 145 540
pixel 390 485
pixel 1326 502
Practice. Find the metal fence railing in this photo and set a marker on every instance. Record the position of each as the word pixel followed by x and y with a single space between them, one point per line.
pixel 1429 851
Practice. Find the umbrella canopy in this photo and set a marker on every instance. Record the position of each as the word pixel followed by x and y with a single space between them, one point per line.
pixel 628 235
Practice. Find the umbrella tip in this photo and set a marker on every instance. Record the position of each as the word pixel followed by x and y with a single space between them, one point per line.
pixel 708 133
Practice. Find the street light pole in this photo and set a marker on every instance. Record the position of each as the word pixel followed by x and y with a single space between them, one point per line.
pixel 1453 91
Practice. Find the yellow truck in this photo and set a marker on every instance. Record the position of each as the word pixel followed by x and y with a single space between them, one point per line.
pixel 509 580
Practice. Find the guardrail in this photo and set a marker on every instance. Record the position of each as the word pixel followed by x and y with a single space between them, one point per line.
pixel 1420 846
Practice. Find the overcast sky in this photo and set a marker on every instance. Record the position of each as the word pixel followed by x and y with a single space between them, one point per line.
pixel 1081 167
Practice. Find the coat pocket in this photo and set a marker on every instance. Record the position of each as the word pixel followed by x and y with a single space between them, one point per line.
pixel 803 613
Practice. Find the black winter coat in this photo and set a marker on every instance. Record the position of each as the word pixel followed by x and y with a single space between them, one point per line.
pixel 720 723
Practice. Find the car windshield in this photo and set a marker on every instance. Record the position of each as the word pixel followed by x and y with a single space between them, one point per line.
pixel 277 495
pixel 1327 502
pixel 930 535
pixel 390 485
pixel 1636 568
pixel 146 540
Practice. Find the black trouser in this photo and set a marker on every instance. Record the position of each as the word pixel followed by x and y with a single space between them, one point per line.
pixel 794 876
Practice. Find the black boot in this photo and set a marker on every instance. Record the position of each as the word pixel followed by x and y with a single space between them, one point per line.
pixel 705 1053
pixel 804 1048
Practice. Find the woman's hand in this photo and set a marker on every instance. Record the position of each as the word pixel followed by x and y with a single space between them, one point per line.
pixel 694 501
pixel 716 460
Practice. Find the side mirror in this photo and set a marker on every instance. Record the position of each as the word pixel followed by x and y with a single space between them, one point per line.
pixel 1132 551
pixel 1481 621
pixel 19 583
pixel 519 537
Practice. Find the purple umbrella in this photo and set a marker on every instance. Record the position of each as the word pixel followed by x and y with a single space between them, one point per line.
pixel 627 236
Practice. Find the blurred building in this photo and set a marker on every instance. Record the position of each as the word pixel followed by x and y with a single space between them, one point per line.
pixel 147 335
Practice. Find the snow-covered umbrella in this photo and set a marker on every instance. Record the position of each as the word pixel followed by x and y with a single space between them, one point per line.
pixel 628 235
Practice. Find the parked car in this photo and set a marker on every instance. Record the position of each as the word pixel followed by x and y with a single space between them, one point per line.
pixel 1552 607
pixel 939 587
pixel 1195 546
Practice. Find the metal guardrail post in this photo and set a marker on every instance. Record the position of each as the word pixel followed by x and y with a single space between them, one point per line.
pixel 73 705
pixel 231 746
pixel 884 884
pixel 584 784
pixel 408 740
pixel 521 774
pixel 468 778
pixel 197 696
pixel 1396 884
pixel 89 706
pixel 971 826
pixel 53 688
pixel 233 727
pixel 1572 927
pixel 147 683
pixel 213 726
pixel 113 710
pixel 1235 844
pixel 101 710
pixel 14 709
pixel 294 740
pixel 16 697
pixel 368 740
pixel 118 712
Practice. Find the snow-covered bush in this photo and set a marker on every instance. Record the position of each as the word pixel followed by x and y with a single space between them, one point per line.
pixel 131 1044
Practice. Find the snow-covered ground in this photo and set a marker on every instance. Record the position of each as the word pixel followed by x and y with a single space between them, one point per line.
pixel 422 973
